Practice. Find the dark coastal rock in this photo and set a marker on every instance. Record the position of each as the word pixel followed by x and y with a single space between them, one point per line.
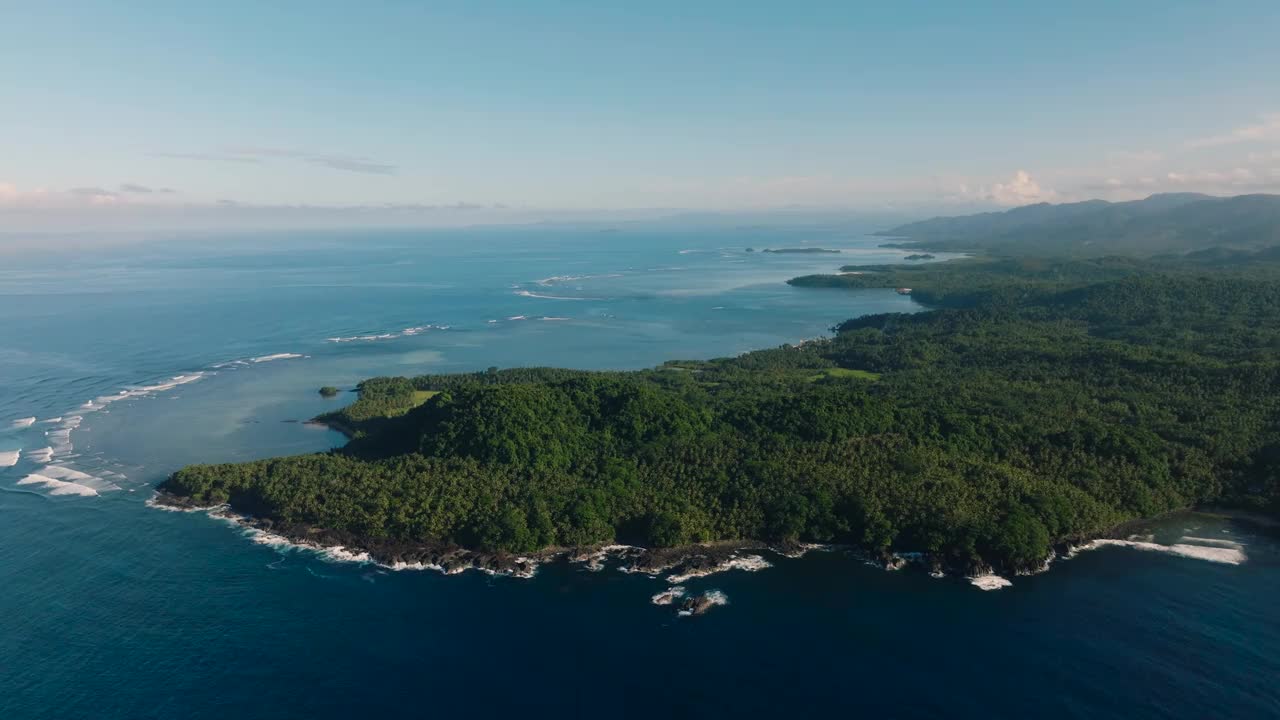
pixel 690 559
pixel 176 502
pixel 700 604
pixel 678 563
pixel 697 605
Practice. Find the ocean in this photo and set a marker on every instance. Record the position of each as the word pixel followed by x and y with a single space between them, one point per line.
pixel 121 364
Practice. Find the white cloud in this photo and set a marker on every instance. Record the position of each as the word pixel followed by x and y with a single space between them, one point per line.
pixel 13 197
pixel 1022 189
pixel 1267 128
pixel 257 155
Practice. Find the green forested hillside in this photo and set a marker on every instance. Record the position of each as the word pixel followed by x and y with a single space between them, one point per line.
pixel 1160 224
pixel 1058 401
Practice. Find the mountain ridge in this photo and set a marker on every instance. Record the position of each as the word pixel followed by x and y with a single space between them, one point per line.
pixel 1164 223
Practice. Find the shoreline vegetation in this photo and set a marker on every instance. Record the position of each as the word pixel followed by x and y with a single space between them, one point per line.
pixel 1036 406
pixel 677 565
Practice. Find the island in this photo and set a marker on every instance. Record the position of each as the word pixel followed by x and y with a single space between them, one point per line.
pixel 919 256
pixel 329 391
pixel 1032 405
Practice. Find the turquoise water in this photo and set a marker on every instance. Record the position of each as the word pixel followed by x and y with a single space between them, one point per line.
pixel 135 361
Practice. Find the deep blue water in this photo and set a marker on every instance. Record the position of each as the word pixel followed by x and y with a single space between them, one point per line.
pixel 112 609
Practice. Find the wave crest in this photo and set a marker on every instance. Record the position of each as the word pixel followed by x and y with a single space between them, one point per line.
pixel 58 487
pixel 407 332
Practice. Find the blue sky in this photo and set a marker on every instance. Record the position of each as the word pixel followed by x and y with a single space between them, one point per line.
pixel 610 106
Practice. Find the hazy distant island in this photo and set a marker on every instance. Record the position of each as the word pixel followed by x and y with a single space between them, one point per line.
pixel 798 251
pixel 1039 402
pixel 919 256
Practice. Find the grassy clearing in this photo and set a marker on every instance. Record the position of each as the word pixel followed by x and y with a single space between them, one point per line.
pixel 421 396
pixel 845 373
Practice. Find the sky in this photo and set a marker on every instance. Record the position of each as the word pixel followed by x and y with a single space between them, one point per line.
pixel 452 113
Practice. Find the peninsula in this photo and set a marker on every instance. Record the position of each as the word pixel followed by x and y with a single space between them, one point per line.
pixel 1036 403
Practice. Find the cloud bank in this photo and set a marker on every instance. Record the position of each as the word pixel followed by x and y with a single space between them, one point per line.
pixel 259 155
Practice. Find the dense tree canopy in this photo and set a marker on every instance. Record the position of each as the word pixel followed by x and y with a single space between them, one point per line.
pixel 1042 401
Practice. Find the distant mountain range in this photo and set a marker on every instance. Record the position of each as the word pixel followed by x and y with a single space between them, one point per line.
pixel 1160 224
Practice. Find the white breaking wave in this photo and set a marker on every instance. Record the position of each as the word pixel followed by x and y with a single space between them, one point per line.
pixel 1221 542
pixel 140 391
pixel 407 332
pixel 58 487
pixel 989 582
pixel 9 458
pixel 749 563
pixel 151 503
pixel 23 422
pixel 398 566
pixel 1227 555
pixel 336 553
pixel 61 472
pixel 594 560
pixel 526 293
pixel 715 597
pixel 59 437
pixel 277 356
pixel 573 278
pixel 561 279
pixel 668 596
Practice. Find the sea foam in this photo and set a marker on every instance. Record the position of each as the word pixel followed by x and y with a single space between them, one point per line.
pixel 1220 542
pixel 407 332
pixel 277 356
pixel 713 597
pixel 60 437
pixel 989 582
pixel 573 278
pixel 668 596
pixel 1227 555
pixel 23 422
pixel 749 563
pixel 527 293
pixel 9 458
pixel 58 487
pixel 335 553
pixel 61 472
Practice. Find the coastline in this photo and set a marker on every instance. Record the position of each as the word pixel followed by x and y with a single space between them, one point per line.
pixel 332 423
pixel 677 565
pixel 686 562
pixel 682 563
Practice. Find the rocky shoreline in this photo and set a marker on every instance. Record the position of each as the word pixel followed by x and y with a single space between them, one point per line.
pixel 677 564
pixel 674 566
